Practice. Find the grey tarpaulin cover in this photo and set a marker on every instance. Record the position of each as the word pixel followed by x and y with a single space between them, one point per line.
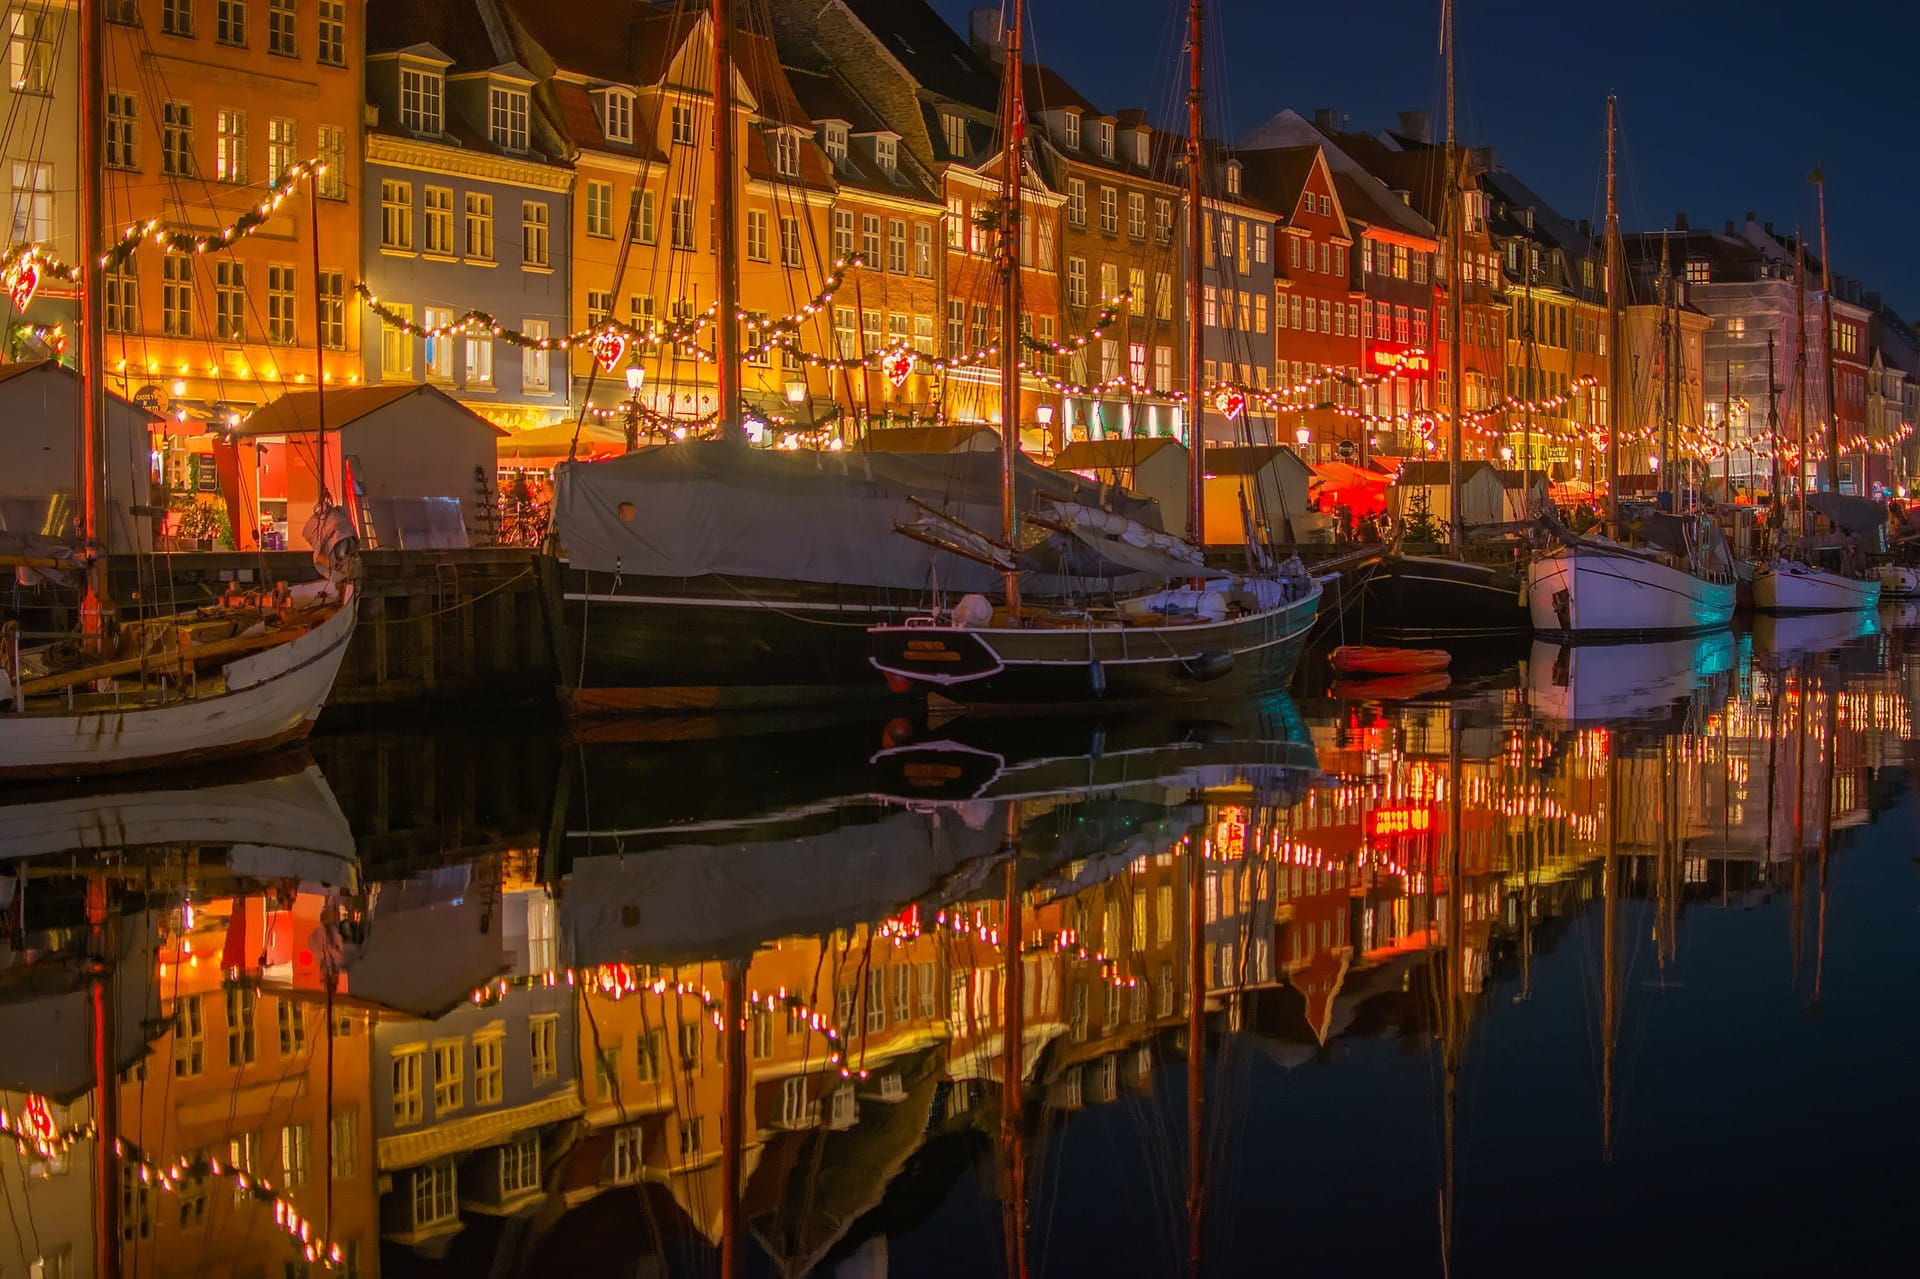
pixel 1861 516
pixel 688 510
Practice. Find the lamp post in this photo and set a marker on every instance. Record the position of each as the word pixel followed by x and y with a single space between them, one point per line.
pixel 1303 437
pixel 636 378
pixel 1044 415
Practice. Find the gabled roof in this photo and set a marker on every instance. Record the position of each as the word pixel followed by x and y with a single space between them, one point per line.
pixel 823 95
pixel 937 57
pixel 1114 455
pixel 931 439
pixel 1250 459
pixel 1048 90
pixel 298 412
pixel 1277 176
pixel 8 372
pixel 1431 474
pixel 454 27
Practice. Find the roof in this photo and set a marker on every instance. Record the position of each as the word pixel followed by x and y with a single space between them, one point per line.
pixel 824 95
pixel 927 439
pixel 1431 474
pixel 8 372
pixel 1113 455
pixel 1276 176
pixel 1250 459
pixel 937 57
pixel 297 412
pixel 1048 90
pixel 452 26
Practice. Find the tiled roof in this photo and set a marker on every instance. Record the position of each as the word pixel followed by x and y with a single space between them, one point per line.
pixel 298 412
pixel 823 96
pixel 934 54
pixel 1275 176
pixel 451 26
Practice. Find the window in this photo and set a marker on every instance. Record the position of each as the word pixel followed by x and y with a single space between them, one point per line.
pixel 876 999
pixel 407 1064
pixel 790 241
pixel 449 1077
pixel 1106 139
pixel 1233 180
pixel 648 1052
pixel 842 233
pixel 1076 200
pixel 680 213
pixel 1109 282
pixel 757 236
pixel 420 101
pixel 953 130
pixel 520 1165
pixel 439 345
pixel 437 220
pixel 1136 215
pixel 885 153
pixel 281 38
pixel 123 299
pixel 629 1158
pixel 689 1045
pixel 281 146
pixel 32 202
pixel 123 131
pixel 193 1198
pixel 1699 271
pixel 1076 282
pixel 640 216
pixel 243 1049
pixel 488 1064
pixel 189 1034
pixel 1073 129
pixel 923 250
pixel 1109 210
pixel 176 139
pixel 956 327
pixel 682 124
pixel 479 226
pixel 333 336
pixel 536 234
pixel 1209 306
pixel 230 22
pixel 691 1137
pixel 534 376
pixel 30 35
pixel 1045 254
pixel 136 1204
pixel 343 1144
pixel 396 215
pixel 333 156
pixel 331 35
pixel 897 245
pixel 396 362
pixel 833 137
pixel 1163 220
pixel 1163 368
pixel 176 17
pixel 600 209
pixel 291 1017
pixel 599 308
pixel 956 222
pixel 507 118
pixel 1162 295
pixel 616 115
pixel 786 153
pixel 434 1194
pixel 230 146
pixel 296 1156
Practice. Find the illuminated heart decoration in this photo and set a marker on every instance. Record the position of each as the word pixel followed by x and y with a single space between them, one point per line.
pixel 608 348
pixel 1231 401
pixel 26 282
pixel 898 366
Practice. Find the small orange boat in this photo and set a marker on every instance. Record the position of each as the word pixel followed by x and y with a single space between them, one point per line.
pixel 1360 659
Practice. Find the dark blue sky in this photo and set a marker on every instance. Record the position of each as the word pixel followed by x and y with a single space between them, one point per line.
pixel 1724 106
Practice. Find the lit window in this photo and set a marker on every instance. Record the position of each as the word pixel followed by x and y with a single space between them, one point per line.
pixel 282 145
pixel 479 226
pixel 953 128
pixel 488 1055
pixel 449 1077
pixel 32 202
pixel 30 36
pixel 536 234
pixel 176 139
pixel 535 372
pixel 616 115
pixel 396 364
pixel 407 1068
pixel 420 101
pixel 507 118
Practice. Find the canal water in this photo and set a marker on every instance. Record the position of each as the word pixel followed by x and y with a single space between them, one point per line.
pixel 1575 961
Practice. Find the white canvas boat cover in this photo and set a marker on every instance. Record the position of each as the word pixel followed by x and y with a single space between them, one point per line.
pixel 699 508
pixel 1128 542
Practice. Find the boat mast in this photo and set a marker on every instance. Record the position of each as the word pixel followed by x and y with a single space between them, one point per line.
pixel 96 608
pixel 1666 377
pixel 1196 229
pixel 1773 430
pixel 1613 326
pixel 1456 226
pixel 1800 376
pixel 1013 126
pixel 1826 319
pixel 322 502
pixel 726 327
pixel 1726 432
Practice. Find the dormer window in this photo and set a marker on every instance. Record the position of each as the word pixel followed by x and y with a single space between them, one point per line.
pixel 953 128
pixel 833 136
pixel 884 153
pixel 786 153
pixel 1142 140
pixel 507 117
pixel 1073 129
pixel 616 115
pixel 1106 139
pixel 1233 178
pixel 420 96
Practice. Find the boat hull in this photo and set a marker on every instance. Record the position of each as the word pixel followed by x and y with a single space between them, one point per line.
pixel 1594 593
pixel 270 698
pixel 1095 666
pixel 1899 581
pixel 1783 587
pixel 1425 597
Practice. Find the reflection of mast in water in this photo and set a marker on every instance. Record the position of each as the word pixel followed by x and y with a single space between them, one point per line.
pixel 1799 813
pixel 1609 953
pixel 733 1110
pixel 1452 997
pixel 1013 1063
pixel 106 1081
pixel 1196 1054
pixel 1832 750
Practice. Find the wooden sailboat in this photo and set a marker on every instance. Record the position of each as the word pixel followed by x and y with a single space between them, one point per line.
pixel 165 693
pixel 1245 630
pixel 1599 588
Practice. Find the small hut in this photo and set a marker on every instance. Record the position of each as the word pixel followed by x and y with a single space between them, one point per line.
pixel 967 437
pixel 1482 496
pixel 1273 480
pixel 1149 466
pixel 1523 495
pixel 40 457
pixel 414 466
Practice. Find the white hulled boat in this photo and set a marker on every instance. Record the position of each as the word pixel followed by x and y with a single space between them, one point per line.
pixel 1786 586
pixel 1594 588
pixel 1899 581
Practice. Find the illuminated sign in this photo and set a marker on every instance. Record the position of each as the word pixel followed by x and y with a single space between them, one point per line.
pixel 1230 834
pixel 1385 823
pixel 1401 360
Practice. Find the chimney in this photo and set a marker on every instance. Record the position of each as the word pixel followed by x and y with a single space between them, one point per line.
pixel 1586 228
pixel 985 34
pixel 1729 226
pixel 1413 124
pixel 1769 228
pixel 1326 119
pixel 1751 215
pixel 1481 159
pixel 1680 221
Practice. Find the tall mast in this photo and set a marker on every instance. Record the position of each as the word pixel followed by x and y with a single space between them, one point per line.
pixel 1800 375
pixel 1527 354
pixel 1826 319
pixel 96 609
pixel 1773 431
pixel 1452 215
pixel 1726 431
pixel 1613 325
pixel 1666 375
pixel 726 327
pixel 322 500
pixel 1013 128
pixel 1196 229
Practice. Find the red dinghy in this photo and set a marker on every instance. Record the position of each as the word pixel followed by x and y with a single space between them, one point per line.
pixel 1359 659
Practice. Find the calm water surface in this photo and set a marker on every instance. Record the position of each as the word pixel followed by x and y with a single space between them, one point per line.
pixel 1585 962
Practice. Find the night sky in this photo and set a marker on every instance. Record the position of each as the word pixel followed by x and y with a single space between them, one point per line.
pixel 1724 107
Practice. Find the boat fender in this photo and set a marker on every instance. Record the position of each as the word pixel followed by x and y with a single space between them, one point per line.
pixel 1203 667
pixel 1097 673
pixel 973 612
pixel 898 683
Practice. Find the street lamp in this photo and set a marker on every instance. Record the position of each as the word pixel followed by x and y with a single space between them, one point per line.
pixel 636 378
pixel 796 393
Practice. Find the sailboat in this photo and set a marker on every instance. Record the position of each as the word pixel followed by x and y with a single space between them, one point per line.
pixel 1799 585
pixel 228 681
pixel 1599 588
pixel 1240 631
